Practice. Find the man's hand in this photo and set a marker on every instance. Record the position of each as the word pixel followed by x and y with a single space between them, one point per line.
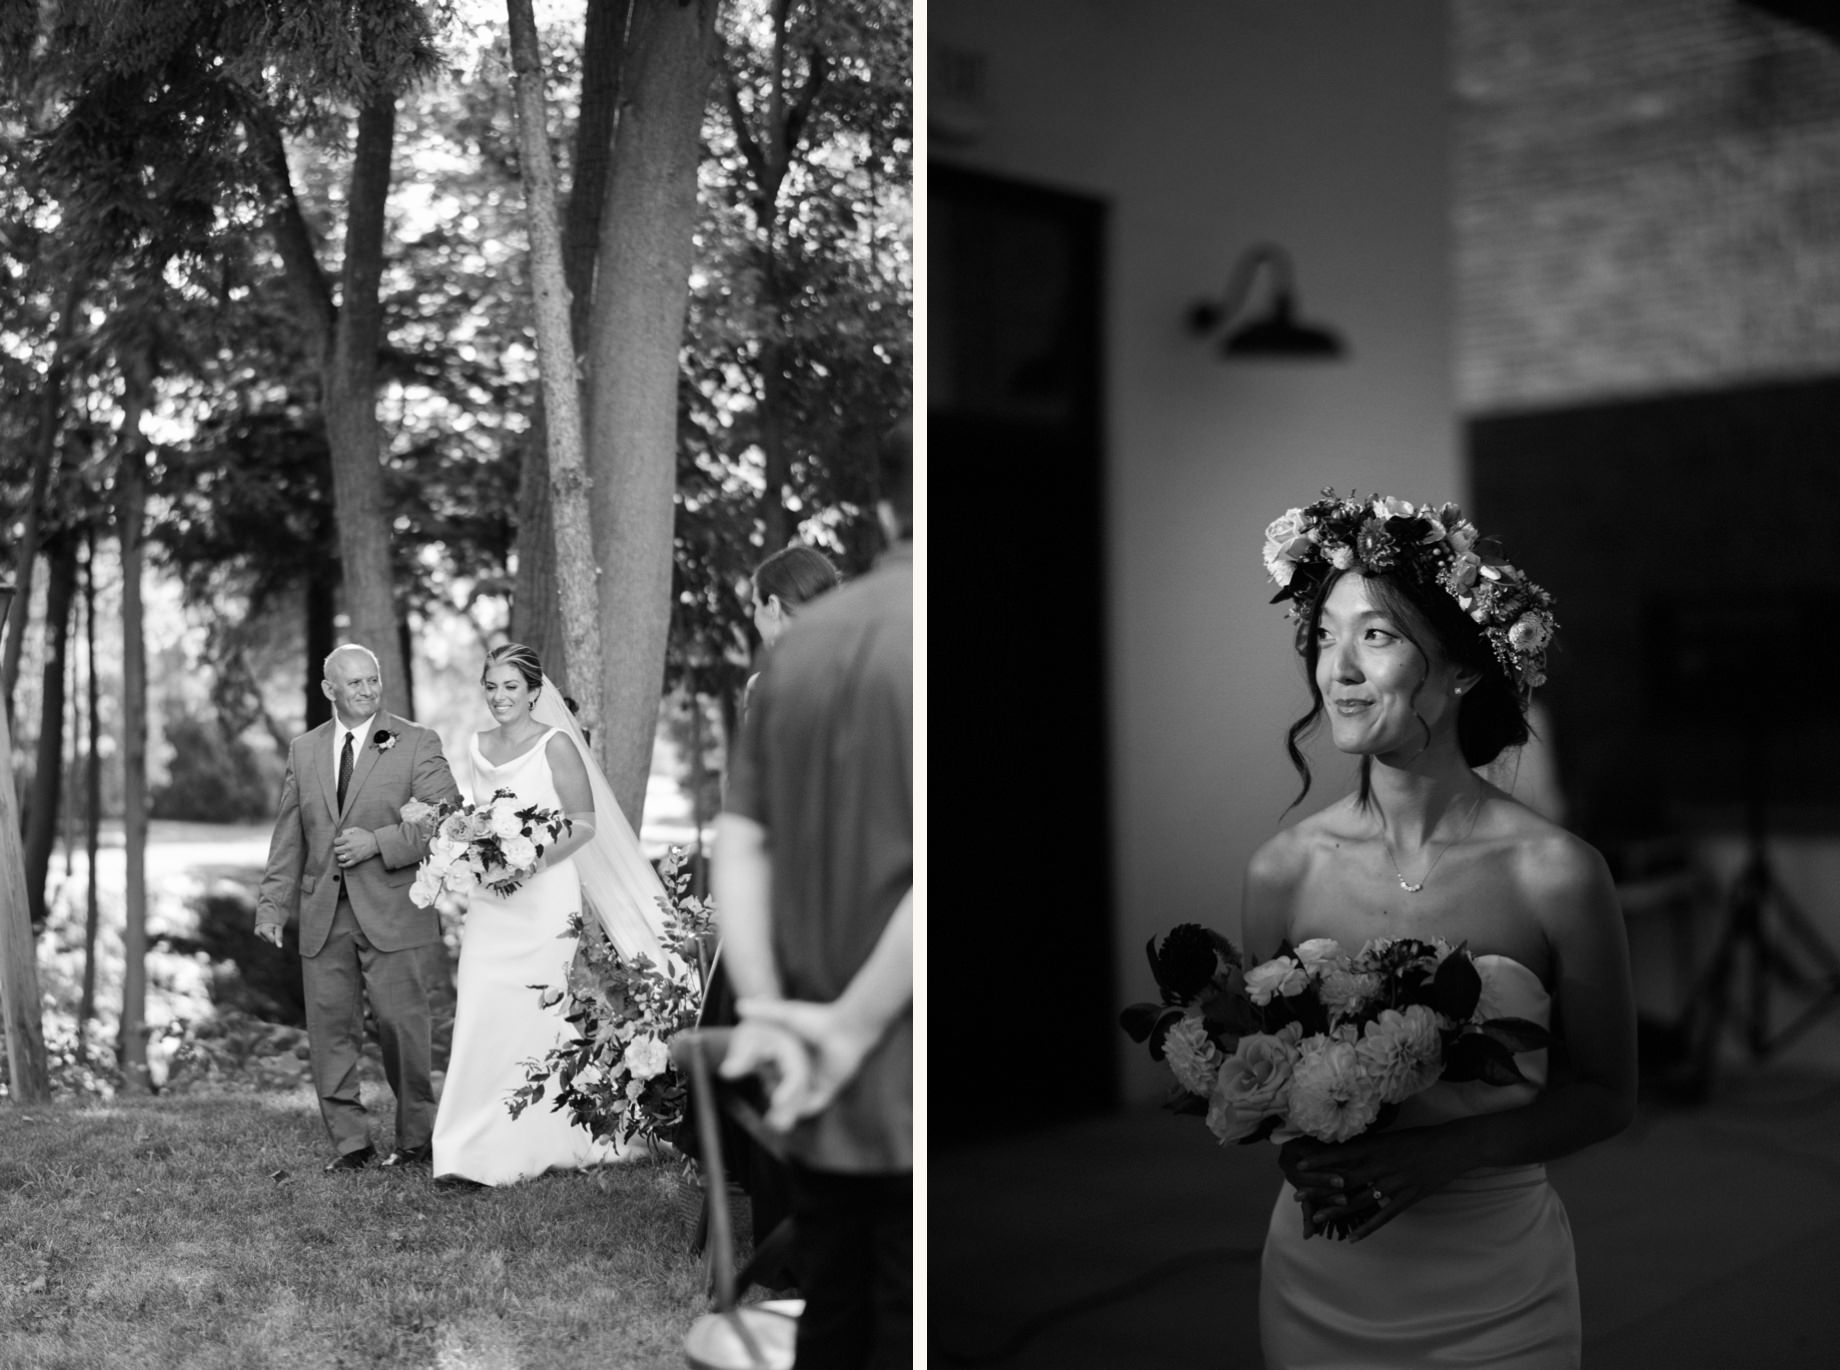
pixel 778 1057
pixel 354 845
pixel 837 1044
pixel 269 932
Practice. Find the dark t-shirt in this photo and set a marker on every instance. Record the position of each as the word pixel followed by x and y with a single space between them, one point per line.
pixel 825 765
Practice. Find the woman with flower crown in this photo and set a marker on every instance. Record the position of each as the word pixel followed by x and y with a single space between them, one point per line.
pixel 513 942
pixel 1421 649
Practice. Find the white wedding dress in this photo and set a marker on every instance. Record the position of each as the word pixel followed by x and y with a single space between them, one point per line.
pixel 1478 1274
pixel 507 945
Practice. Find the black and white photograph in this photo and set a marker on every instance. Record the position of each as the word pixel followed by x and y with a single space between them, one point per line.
pixel 1407 935
pixel 458 892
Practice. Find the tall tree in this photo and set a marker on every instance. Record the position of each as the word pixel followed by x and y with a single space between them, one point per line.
pixel 574 535
pixel 637 329
pixel 30 1080
pixel 48 768
pixel 130 523
pixel 535 609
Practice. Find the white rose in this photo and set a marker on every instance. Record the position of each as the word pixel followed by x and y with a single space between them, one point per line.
pixel 504 822
pixel 1280 976
pixel 1320 953
pixel 459 878
pixel 520 853
pixel 646 1057
pixel 1252 1083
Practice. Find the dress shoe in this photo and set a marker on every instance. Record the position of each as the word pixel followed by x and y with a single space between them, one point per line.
pixel 404 1157
pixel 352 1160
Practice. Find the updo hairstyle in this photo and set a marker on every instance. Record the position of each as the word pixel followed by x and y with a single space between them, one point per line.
pixel 518 655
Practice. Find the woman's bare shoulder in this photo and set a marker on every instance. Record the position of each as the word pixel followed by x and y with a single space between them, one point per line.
pixel 1552 865
pixel 1285 857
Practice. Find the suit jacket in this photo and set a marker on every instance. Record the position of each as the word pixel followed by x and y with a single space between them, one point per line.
pixel 303 879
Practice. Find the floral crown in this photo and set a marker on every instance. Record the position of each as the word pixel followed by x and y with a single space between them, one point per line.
pixel 1428 544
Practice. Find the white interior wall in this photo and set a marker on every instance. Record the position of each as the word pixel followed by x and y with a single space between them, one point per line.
pixel 1211 125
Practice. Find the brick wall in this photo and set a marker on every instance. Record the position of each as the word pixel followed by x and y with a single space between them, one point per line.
pixel 1647 199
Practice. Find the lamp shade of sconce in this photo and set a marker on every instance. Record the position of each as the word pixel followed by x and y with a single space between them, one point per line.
pixel 1275 333
pixel 7 591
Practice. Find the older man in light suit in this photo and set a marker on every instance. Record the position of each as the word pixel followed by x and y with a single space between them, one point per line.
pixel 341 862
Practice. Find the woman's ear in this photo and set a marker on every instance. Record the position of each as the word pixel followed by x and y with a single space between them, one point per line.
pixel 1466 681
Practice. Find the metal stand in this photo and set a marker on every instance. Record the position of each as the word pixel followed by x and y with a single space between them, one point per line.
pixel 1756 894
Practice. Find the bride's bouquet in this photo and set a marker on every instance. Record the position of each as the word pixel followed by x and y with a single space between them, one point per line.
pixel 1315 1041
pixel 496 844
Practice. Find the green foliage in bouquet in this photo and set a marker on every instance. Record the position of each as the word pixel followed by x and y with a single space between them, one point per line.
pixel 615 1076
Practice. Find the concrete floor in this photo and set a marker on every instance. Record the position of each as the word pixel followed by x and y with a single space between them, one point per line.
pixel 1706 1238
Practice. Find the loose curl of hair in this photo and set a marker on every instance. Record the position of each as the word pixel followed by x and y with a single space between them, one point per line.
pixel 798 574
pixel 1491 716
pixel 518 655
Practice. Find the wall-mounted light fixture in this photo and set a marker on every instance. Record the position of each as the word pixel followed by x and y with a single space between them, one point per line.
pixel 1277 332
pixel 7 591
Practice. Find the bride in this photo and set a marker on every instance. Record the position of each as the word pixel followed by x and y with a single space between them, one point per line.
pixel 512 942
pixel 1422 650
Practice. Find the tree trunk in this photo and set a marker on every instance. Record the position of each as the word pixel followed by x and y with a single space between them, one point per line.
pixel 28 1077
pixel 44 456
pixel 773 423
pixel 351 410
pixel 48 777
pixel 131 500
pixel 92 803
pixel 535 607
pixel 574 538
pixel 640 301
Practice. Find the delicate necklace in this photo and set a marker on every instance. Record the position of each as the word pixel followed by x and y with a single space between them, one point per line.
pixel 1406 884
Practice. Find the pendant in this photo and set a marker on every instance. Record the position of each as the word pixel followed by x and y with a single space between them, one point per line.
pixel 1408 886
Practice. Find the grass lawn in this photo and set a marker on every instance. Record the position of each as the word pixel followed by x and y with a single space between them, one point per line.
pixel 153 1232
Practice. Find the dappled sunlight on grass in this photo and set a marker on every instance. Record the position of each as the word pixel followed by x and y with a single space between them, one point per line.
pixel 151 1232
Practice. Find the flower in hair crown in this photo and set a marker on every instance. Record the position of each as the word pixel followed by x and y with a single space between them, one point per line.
pixel 1427 543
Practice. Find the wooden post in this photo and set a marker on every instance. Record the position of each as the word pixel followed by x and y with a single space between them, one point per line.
pixel 25 1038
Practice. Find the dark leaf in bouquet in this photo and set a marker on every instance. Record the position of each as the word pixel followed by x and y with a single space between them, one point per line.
pixel 1169 1019
pixel 1517 1034
pixel 1180 1101
pixel 1456 987
pixel 1139 1019
pixel 1477 1056
pixel 1226 1011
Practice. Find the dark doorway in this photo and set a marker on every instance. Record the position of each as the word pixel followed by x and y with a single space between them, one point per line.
pixel 1021 1027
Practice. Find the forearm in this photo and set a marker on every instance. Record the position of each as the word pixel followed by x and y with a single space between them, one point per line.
pixel 580 831
pixel 742 885
pixel 883 988
pixel 1562 1119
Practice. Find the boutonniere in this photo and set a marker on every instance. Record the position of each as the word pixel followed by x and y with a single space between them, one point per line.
pixel 383 740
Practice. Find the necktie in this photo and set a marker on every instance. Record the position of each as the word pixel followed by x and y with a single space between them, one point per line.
pixel 344 770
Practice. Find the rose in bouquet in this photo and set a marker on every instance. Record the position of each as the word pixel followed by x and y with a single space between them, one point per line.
pixel 1315 1041
pixel 496 844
